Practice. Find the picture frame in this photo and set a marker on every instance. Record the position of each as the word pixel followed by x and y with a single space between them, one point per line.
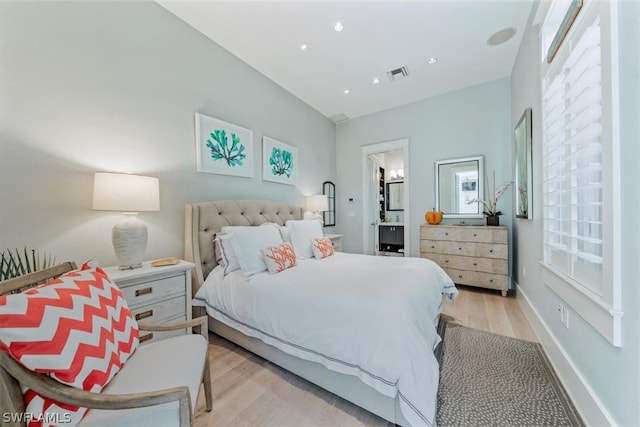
pixel 279 161
pixel 523 166
pixel 223 148
pixel 563 28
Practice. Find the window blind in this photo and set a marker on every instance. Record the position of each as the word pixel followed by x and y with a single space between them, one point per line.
pixel 572 160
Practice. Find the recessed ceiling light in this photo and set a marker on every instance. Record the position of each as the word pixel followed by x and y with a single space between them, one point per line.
pixel 346 91
pixel 501 36
pixel 376 81
pixel 338 26
pixel 303 46
pixel 432 60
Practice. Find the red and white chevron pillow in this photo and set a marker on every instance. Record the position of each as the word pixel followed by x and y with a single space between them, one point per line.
pixel 77 328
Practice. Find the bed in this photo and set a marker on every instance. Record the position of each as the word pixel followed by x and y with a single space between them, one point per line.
pixel 333 321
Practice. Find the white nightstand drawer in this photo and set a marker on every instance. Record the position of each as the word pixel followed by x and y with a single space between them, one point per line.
pixel 156 295
pixel 147 337
pixel 153 290
pixel 160 312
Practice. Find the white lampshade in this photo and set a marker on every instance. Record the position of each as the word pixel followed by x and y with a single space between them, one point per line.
pixel 317 203
pixel 125 192
pixel 129 194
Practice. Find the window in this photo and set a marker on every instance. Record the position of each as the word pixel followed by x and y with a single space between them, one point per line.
pixel 579 134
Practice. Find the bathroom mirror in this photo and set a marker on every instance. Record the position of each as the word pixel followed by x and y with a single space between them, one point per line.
pixel 458 181
pixel 395 195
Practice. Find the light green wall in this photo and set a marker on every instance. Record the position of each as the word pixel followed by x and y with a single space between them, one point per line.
pixel 469 122
pixel 113 86
pixel 612 373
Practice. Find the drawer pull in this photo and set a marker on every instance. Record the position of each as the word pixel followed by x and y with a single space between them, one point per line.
pixel 459 249
pixel 446 260
pixel 144 314
pixel 433 247
pixel 446 234
pixel 460 276
pixel 490 280
pixel 475 263
pixel 475 235
pixel 144 291
pixel 491 250
pixel 145 338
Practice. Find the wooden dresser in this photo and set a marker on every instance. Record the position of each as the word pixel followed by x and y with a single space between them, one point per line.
pixel 471 255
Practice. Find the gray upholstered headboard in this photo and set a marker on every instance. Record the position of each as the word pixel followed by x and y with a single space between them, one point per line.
pixel 204 220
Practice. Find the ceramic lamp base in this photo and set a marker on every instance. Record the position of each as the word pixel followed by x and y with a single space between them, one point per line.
pixel 129 237
pixel 314 215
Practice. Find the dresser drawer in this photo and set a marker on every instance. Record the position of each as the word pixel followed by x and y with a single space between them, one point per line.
pixel 156 290
pixel 160 312
pixel 484 250
pixel 465 234
pixel 474 278
pixel 485 265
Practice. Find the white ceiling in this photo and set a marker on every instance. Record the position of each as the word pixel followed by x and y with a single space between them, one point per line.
pixel 378 36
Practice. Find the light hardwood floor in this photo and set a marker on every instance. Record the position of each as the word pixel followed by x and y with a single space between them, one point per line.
pixel 249 391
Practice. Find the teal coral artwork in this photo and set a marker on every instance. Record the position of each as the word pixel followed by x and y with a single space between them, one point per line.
pixel 279 161
pixel 223 148
pixel 220 149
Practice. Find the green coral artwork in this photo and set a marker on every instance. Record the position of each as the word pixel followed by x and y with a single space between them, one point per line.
pixel 220 149
pixel 281 162
pixel 223 148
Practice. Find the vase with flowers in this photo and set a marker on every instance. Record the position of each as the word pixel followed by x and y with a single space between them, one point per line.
pixel 491 204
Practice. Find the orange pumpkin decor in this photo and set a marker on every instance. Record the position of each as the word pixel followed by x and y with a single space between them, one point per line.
pixel 433 217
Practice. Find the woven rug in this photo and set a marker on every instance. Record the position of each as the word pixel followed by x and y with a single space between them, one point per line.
pixel 494 380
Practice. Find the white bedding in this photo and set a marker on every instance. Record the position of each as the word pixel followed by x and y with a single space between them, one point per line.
pixel 373 317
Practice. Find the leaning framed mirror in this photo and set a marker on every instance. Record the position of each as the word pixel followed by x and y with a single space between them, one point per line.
pixel 524 170
pixel 458 182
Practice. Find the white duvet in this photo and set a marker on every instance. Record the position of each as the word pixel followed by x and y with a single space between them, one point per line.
pixel 373 317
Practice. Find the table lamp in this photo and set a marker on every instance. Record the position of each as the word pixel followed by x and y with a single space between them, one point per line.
pixel 315 205
pixel 128 194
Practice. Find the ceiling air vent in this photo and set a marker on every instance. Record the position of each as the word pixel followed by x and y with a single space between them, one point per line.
pixel 398 74
pixel 337 118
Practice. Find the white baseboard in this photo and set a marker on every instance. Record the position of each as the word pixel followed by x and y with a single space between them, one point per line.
pixel 589 406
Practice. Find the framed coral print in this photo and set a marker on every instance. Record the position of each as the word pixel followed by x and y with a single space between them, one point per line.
pixel 524 170
pixel 279 161
pixel 223 148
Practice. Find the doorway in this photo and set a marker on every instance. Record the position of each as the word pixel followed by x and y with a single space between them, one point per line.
pixel 385 172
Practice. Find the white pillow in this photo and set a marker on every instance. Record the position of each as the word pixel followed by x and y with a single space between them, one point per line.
pixel 302 233
pixel 248 242
pixel 228 253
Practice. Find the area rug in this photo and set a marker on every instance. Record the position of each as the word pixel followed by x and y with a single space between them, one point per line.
pixel 494 380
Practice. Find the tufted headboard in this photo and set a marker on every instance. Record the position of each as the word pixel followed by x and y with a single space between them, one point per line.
pixel 204 220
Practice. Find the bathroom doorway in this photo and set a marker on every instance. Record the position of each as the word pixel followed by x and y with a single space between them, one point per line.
pixel 385 188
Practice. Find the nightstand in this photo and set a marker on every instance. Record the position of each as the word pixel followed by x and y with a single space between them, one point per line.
pixel 156 295
pixel 336 239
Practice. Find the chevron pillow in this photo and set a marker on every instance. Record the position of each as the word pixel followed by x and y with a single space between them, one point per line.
pixel 77 328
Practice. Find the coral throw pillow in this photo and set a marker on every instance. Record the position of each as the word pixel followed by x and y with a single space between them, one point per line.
pixel 279 257
pixel 322 247
pixel 76 328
